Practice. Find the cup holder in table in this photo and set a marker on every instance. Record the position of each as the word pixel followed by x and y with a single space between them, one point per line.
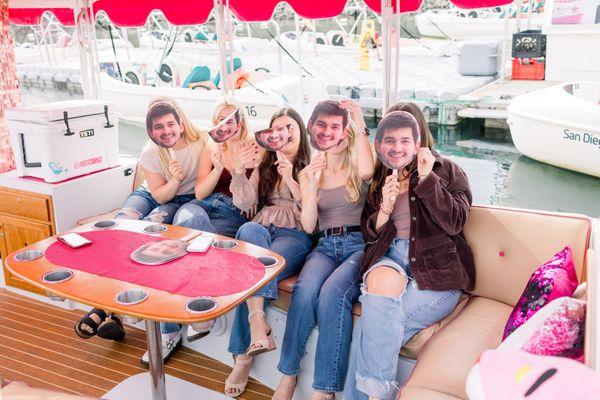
pixel 104 224
pixel 29 255
pixel 268 261
pixel 201 305
pixel 225 244
pixel 57 276
pixel 132 296
pixel 155 228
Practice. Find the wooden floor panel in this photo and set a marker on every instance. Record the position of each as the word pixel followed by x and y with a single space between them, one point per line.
pixel 38 346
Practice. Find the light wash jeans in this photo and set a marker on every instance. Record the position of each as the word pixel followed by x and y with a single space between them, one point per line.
pixel 386 324
pixel 293 245
pixel 215 214
pixel 141 205
pixel 325 292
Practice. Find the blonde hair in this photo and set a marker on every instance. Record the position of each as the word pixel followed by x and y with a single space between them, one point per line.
pixel 220 106
pixel 353 182
pixel 190 132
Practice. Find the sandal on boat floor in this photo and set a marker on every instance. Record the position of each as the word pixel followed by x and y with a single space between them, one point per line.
pixel 233 389
pixel 262 345
pixel 193 334
pixel 87 320
pixel 111 329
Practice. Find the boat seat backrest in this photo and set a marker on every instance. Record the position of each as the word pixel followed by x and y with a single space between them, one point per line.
pixel 200 73
pixel 509 244
pixel 237 63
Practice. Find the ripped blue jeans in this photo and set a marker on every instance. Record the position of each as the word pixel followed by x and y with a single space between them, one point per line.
pixel 386 324
pixel 141 205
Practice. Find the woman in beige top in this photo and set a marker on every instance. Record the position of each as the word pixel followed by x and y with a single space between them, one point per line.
pixel 273 190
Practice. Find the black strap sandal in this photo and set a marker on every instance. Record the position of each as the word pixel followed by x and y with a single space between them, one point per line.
pixel 87 320
pixel 112 329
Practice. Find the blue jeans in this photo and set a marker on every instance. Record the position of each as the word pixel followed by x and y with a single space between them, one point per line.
pixel 293 245
pixel 141 205
pixel 215 214
pixel 325 292
pixel 386 324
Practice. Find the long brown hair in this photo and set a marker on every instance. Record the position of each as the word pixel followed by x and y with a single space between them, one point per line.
pixel 269 178
pixel 381 171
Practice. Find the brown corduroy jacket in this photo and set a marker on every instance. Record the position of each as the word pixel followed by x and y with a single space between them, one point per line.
pixel 439 256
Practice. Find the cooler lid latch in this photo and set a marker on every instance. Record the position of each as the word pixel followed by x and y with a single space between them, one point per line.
pixel 66 120
pixel 108 124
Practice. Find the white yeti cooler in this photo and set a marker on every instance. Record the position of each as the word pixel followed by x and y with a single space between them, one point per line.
pixel 62 140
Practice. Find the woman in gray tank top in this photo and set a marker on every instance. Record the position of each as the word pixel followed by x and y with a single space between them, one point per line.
pixel 333 195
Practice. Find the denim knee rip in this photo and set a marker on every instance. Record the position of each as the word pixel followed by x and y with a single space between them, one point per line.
pixel 128 213
pixel 158 217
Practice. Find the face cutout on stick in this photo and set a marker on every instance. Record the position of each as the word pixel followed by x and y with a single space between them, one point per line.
pixel 328 125
pixel 227 128
pixel 397 140
pixel 274 138
pixel 165 131
pixel 155 253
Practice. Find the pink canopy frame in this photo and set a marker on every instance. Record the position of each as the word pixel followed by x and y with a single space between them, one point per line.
pixel 134 13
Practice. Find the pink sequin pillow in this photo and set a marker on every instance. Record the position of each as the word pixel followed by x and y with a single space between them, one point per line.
pixel 556 278
pixel 561 333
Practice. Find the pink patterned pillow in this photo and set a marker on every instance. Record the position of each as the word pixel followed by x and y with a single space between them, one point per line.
pixel 556 278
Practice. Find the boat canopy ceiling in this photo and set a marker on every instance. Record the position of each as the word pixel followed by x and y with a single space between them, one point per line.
pixel 134 13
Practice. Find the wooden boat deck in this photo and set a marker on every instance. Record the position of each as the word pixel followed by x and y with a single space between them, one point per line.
pixel 38 346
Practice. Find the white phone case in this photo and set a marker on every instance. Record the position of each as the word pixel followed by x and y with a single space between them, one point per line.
pixel 74 240
pixel 200 244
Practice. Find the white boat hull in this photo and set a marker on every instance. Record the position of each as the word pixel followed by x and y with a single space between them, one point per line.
pixel 558 128
pixel 277 91
pixel 434 24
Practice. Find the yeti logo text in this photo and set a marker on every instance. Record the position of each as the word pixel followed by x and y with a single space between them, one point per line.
pixel 86 133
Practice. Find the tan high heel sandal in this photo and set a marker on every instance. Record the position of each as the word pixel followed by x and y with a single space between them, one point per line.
pixel 233 389
pixel 263 345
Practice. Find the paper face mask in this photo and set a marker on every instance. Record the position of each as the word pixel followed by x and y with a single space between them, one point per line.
pixel 327 130
pixel 166 131
pixel 227 128
pixel 274 139
pixel 397 140
pixel 156 253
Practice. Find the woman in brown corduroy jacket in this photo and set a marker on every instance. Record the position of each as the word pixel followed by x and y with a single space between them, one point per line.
pixel 416 260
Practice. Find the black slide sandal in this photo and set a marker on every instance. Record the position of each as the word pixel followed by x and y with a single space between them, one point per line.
pixel 87 320
pixel 112 329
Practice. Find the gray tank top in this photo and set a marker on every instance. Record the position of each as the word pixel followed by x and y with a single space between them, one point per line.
pixel 334 210
pixel 401 216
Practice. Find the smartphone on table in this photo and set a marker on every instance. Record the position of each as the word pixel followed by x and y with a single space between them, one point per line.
pixel 200 244
pixel 73 240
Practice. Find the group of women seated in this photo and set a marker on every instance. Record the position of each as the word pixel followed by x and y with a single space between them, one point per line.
pixel 352 228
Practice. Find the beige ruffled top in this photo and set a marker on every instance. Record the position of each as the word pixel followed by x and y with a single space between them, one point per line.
pixel 284 211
